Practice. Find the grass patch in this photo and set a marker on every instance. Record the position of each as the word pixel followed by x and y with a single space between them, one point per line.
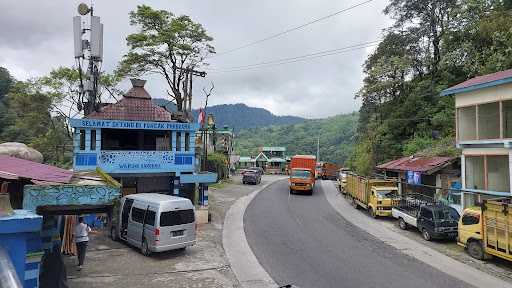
pixel 221 184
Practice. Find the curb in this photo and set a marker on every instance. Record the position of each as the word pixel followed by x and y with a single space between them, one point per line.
pixel 244 264
pixel 410 247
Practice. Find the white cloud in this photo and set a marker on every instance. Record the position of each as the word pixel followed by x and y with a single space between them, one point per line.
pixel 39 38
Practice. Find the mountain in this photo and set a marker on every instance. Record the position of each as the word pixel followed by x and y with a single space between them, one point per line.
pixel 241 116
pixel 337 137
pixel 237 116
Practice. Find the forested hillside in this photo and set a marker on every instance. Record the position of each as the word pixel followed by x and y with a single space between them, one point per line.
pixel 336 138
pixel 432 45
pixel 240 116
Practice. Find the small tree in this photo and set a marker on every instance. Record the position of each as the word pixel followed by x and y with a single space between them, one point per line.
pixel 62 85
pixel 169 46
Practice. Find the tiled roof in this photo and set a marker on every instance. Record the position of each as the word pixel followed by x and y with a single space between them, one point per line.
pixel 489 80
pixel 425 165
pixel 136 105
pixel 13 168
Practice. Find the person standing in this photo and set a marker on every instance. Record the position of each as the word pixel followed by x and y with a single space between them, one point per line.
pixel 81 233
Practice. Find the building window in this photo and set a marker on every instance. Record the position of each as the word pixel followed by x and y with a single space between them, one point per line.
pixel 93 139
pixel 82 139
pixel 466 120
pixel 488 173
pixel 475 174
pixel 178 141
pixel 498 178
pixel 507 119
pixel 187 141
pixel 489 121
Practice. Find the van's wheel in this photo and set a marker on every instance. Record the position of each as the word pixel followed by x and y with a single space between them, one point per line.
pixel 144 249
pixel 402 224
pixel 426 235
pixel 476 250
pixel 113 234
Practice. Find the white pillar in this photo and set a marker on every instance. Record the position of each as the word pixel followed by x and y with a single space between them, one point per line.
pixel 462 179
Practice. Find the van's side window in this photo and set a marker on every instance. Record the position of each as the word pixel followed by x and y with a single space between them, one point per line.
pixel 179 217
pixel 150 218
pixel 138 214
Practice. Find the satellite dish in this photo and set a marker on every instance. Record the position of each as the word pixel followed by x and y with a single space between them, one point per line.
pixel 83 9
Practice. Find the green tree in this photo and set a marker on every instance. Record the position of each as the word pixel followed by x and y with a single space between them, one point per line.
pixel 6 81
pixel 166 45
pixel 62 86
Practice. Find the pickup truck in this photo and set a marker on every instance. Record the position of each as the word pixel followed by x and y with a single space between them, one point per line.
pixel 433 219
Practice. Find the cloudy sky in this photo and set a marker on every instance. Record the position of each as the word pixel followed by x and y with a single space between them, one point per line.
pixel 36 36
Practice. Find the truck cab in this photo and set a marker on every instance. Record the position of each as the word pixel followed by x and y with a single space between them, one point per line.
pixel 470 231
pixel 382 200
pixel 302 179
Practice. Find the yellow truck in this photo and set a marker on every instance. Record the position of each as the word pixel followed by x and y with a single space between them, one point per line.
pixel 375 195
pixel 487 230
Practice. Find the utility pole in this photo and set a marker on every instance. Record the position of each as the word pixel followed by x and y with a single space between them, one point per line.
pixel 89 49
pixel 187 98
pixel 318 149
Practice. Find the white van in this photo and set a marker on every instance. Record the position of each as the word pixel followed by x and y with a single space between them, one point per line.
pixel 155 222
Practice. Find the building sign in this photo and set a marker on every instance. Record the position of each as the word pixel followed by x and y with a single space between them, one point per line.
pixel 119 124
pixel 413 177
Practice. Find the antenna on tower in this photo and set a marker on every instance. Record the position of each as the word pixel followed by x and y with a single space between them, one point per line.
pixel 88 42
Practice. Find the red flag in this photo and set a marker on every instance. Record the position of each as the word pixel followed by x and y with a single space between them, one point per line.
pixel 201 117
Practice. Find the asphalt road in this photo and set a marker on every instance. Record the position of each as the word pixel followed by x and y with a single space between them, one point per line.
pixel 301 240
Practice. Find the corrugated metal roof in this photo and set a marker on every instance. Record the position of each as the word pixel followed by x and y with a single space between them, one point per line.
pixel 267 149
pixel 418 164
pixel 136 105
pixel 32 170
pixel 489 80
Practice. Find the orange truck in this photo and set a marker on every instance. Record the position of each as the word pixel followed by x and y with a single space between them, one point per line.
pixel 302 173
pixel 330 171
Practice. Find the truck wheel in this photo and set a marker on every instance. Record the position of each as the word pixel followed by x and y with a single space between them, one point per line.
pixel 373 213
pixel 476 250
pixel 402 224
pixel 354 203
pixel 426 235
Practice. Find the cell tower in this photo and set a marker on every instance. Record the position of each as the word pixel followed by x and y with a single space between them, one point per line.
pixel 88 39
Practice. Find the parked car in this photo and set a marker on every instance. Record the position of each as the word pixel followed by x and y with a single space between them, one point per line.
pixel 259 170
pixel 434 220
pixel 155 222
pixel 251 176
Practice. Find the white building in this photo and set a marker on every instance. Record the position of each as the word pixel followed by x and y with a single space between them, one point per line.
pixel 484 133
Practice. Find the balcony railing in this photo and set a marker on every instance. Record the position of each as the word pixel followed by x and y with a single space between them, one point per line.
pixel 136 161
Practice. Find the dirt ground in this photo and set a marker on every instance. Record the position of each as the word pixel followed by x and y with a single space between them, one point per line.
pixel 114 264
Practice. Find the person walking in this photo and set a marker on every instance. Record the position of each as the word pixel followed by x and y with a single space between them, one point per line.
pixel 81 233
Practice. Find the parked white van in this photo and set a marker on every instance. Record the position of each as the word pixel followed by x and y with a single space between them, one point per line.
pixel 155 222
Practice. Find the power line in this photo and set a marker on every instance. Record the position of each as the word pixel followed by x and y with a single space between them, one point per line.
pixel 302 56
pixel 305 57
pixel 291 29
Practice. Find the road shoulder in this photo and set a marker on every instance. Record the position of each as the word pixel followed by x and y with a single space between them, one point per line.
pixel 243 262
pixel 407 246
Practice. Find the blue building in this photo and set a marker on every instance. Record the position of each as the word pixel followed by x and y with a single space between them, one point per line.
pixel 139 144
